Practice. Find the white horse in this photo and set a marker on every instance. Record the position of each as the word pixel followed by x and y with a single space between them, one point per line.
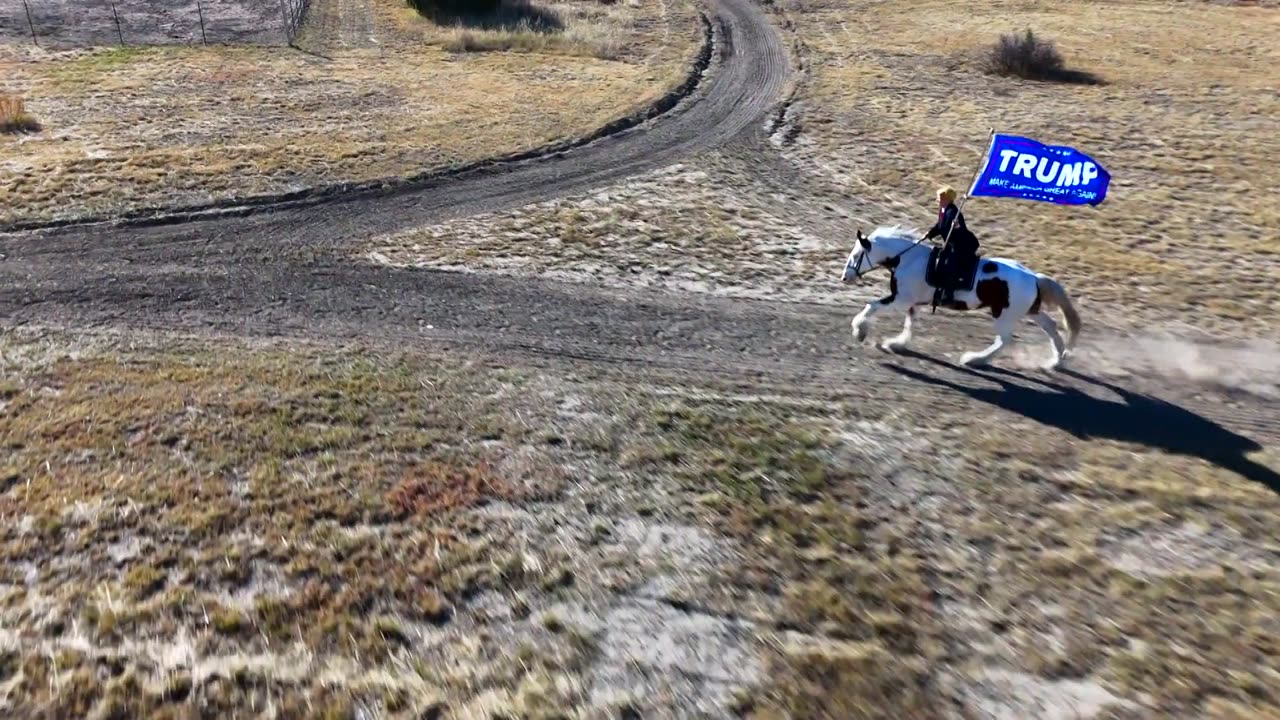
pixel 1010 291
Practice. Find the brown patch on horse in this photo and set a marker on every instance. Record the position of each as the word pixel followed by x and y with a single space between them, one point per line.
pixel 990 267
pixel 993 293
pixel 1035 305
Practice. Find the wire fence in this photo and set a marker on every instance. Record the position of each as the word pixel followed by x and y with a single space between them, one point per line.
pixel 63 24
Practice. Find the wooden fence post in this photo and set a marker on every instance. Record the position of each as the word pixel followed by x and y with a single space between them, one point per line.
pixel 31 24
pixel 284 18
pixel 204 39
pixel 114 14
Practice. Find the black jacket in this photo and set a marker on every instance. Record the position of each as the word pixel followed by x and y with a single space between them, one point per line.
pixel 962 240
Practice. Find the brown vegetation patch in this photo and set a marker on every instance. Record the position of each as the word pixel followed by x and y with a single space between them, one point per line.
pixel 437 488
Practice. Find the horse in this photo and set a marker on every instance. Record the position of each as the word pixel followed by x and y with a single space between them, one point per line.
pixel 1008 289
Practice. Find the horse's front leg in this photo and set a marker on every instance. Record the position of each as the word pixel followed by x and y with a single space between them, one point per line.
pixel 900 340
pixel 890 302
pixel 862 319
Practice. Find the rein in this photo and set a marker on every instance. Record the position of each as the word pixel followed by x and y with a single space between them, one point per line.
pixel 888 263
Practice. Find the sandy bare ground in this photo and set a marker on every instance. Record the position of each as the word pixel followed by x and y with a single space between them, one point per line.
pixel 645 499
pixel 127 129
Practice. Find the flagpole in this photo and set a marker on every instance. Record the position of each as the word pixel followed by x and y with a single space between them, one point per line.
pixel 983 163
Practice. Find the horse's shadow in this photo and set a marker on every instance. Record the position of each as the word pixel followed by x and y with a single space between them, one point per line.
pixel 1137 418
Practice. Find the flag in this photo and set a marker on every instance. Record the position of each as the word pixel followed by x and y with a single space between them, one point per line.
pixel 1017 167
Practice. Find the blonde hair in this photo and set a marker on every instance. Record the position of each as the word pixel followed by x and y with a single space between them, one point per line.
pixel 947 193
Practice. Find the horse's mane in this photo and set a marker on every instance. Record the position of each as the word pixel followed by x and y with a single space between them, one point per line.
pixel 895 231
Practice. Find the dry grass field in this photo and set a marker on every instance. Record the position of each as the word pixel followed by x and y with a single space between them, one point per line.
pixel 218 527
pixel 895 102
pixel 384 94
pixel 213 527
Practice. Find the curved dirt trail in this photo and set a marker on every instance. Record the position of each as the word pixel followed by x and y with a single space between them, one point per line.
pixel 288 273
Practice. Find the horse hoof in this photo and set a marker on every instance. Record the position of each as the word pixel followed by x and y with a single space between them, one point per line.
pixel 859 333
pixel 891 347
pixel 971 360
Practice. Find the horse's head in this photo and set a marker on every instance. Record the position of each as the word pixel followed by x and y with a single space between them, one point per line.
pixel 884 246
pixel 861 260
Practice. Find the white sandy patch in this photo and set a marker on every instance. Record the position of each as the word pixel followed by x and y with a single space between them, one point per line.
pixel 1001 694
pixel 1165 551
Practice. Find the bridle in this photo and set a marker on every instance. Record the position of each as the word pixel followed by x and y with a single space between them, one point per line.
pixel 888 263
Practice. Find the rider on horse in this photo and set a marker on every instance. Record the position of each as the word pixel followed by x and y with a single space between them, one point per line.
pixel 961 246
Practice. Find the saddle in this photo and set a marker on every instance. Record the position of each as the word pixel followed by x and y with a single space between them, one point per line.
pixel 963 271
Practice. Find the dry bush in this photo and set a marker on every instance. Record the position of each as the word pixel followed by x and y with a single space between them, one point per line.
pixel 14 118
pixel 1031 58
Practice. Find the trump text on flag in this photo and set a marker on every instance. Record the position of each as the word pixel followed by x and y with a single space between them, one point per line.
pixel 1022 168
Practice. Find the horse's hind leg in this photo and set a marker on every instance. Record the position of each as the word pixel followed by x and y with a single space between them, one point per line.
pixel 900 340
pixel 1050 328
pixel 1004 334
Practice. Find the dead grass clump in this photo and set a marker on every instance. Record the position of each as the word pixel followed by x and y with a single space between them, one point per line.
pixel 144 580
pixel 517 40
pixel 1031 58
pixel 591 41
pixel 14 118
pixel 439 487
pixel 849 680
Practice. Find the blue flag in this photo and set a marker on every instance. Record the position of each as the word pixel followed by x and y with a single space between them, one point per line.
pixel 1016 167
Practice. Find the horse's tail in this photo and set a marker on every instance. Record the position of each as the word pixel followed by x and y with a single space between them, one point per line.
pixel 1055 295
